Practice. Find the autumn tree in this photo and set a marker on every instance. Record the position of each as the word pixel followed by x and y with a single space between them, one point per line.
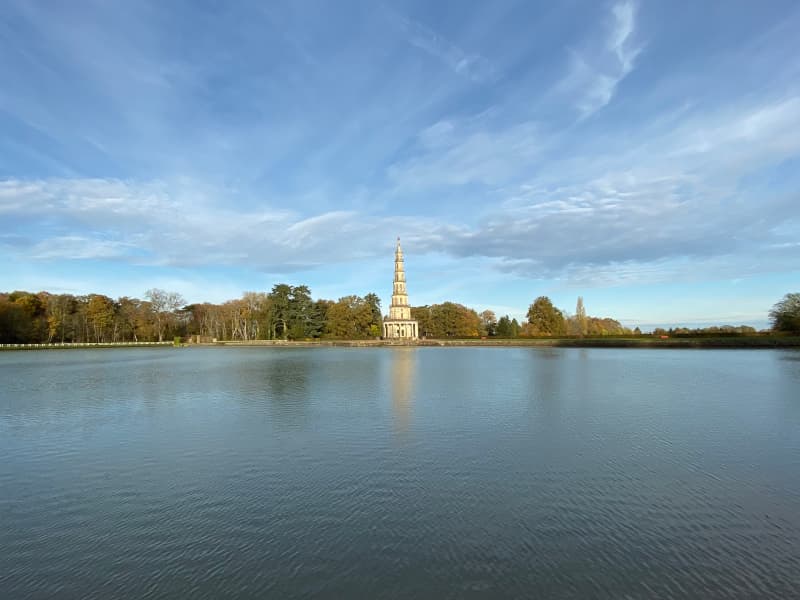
pixel 31 322
pixel 488 323
pixel 14 323
pixel 133 319
pixel 60 315
pixel 785 315
pixel 100 312
pixel 606 326
pixel 544 318
pixel 350 318
pixel 448 319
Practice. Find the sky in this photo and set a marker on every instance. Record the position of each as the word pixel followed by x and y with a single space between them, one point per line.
pixel 642 155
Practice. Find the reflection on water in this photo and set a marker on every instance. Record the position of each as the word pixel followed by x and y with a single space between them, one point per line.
pixel 403 361
pixel 545 387
pixel 284 382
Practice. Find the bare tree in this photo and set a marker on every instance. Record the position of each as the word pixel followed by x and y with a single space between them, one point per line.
pixel 163 304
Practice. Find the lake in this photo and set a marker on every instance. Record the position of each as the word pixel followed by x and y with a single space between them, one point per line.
pixel 400 473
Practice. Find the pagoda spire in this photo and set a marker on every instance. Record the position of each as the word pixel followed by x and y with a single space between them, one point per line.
pixel 400 324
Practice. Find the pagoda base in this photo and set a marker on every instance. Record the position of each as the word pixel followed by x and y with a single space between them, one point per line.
pixel 403 329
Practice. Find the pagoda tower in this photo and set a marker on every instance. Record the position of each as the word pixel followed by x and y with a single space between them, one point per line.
pixel 399 324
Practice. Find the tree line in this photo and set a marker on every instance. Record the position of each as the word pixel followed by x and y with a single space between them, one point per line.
pixel 287 313
pixel 290 313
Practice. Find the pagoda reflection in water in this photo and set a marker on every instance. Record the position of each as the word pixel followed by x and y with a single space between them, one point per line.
pixel 403 365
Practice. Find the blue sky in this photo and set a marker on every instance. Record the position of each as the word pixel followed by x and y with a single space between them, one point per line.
pixel 644 155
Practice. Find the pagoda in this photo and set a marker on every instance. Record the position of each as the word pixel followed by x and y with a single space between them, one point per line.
pixel 399 324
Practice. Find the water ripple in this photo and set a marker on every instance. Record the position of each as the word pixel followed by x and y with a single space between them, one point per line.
pixel 399 473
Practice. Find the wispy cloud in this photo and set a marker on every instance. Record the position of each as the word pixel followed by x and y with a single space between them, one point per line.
pixel 469 65
pixel 678 191
pixel 155 223
pixel 534 140
pixel 468 152
pixel 596 70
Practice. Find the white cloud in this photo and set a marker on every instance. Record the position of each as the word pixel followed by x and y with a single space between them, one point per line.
pixel 469 152
pixel 472 66
pixel 676 190
pixel 596 71
pixel 181 225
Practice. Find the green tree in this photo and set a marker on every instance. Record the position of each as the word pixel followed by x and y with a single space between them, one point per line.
pixel 545 319
pixel 785 315
pixel 280 299
pixel 375 306
pixel 515 328
pixel 319 317
pixel 422 315
pixel 504 327
pixel 300 309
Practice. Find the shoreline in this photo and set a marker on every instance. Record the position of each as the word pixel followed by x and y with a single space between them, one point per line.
pixel 737 342
pixel 732 342
pixel 722 342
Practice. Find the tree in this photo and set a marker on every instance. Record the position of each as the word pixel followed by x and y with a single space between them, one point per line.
pixel 785 315
pixel 504 327
pixel 33 326
pixel 580 316
pixel 350 318
pixel 375 305
pixel 447 320
pixel 300 308
pixel 507 328
pixel 60 310
pixel 163 305
pixel 545 319
pixel 133 319
pixel 14 323
pixel 319 317
pixel 606 326
pixel 488 323
pixel 422 315
pixel 515 328
pixel 280 298
pixel 100 312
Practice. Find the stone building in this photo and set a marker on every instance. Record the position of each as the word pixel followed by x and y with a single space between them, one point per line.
pixel 399 324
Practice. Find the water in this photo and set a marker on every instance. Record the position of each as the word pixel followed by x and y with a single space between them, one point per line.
pixel 399 473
